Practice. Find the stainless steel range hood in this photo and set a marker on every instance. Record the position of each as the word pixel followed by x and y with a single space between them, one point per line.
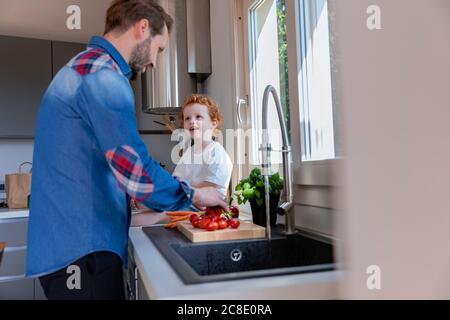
pixel 185 64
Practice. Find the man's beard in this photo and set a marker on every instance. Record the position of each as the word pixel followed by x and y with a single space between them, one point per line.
pixel 139 59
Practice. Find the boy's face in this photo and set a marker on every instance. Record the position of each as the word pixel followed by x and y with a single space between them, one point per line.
pixel 198 123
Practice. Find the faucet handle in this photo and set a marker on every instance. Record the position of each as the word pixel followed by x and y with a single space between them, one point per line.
pixel 284 208
pixel 281 211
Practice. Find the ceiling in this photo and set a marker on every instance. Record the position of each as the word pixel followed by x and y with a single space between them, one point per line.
pixel 46 19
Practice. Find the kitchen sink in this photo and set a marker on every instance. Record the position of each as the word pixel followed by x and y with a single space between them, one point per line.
pixel 232 260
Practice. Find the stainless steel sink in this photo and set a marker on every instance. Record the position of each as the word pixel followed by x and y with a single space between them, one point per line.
pixel 230 260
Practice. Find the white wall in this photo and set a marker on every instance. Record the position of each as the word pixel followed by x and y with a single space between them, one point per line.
pixel 46 19
pixel 393 85
pixel 12 154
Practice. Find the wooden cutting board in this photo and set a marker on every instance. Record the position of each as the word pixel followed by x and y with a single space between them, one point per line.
pixel 246 230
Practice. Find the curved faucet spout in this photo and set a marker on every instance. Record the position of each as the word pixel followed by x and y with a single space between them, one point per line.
pixel 265 113
pixel 286 206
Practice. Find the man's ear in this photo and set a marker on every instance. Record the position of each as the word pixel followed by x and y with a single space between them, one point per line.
pixel 142 29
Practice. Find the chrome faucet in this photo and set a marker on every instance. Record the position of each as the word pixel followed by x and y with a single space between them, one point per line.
pixel 287 206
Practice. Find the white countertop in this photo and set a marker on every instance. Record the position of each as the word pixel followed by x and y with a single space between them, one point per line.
pixel 162 282
pixel 13 213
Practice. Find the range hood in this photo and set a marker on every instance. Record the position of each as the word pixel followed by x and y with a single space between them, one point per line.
pixel 185 64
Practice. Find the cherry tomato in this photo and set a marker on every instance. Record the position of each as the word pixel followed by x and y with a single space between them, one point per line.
pixel 193 216
pixel 203 224
pixel 195 222
pixel 223 224
pixel 235 223
pixel 214 211
pixel 213 226
pixel 235 212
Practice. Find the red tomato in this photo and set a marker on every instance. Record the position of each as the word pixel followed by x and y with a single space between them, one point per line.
pixel 235 223
pixel 235 212
pixel 223 224
pixel 193 217
pixel 203 224
pixel 214 211
pixel 195 222
pixel 213 226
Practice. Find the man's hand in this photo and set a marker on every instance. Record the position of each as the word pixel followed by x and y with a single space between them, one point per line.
pixel 208 197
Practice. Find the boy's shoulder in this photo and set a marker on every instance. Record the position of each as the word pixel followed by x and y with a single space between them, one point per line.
pixel 218 151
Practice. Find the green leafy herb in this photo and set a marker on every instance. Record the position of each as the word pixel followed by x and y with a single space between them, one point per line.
pixel 252 188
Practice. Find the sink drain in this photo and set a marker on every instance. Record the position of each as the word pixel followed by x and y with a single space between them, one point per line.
pixel 236 255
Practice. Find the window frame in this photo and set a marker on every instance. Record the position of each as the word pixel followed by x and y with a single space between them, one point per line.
pixel 308 173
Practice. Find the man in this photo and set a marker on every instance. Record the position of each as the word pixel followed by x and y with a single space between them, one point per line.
pixel 89 161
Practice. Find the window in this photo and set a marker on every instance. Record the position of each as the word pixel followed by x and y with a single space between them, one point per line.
pixel 289 45
pixel 319 121
pixel 268 66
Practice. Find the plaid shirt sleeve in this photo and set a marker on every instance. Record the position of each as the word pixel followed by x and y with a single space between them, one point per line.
pixel 106 102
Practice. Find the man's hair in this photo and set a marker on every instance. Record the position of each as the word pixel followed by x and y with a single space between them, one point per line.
pixel 123 14
pixel 213 107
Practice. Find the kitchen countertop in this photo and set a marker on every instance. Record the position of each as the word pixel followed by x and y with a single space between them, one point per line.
pixel 162 282
pixel 13 213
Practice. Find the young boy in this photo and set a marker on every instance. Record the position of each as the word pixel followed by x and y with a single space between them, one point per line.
pixel 205 163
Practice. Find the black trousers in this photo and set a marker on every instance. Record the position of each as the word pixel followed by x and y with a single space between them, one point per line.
pixel 97 276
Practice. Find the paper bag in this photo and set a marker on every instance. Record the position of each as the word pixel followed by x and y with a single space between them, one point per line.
pixel 18 188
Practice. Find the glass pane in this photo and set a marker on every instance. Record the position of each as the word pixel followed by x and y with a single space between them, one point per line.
pixel 318 113
pixel 268 66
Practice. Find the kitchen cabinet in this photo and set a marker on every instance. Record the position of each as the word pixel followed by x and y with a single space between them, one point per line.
pixel 38 291
pixel 25 66
pixel 63 52
pixel 28 66
pixel 13 283
pixel 135 289
pixel 141 292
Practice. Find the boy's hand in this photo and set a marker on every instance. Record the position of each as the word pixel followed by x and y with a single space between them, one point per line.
pixel 209 197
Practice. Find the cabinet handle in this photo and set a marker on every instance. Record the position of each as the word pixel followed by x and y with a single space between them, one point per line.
pixel 12 278
pixel 13 249
pixel 136 283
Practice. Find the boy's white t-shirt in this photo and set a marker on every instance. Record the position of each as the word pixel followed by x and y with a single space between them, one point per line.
pixel 212 165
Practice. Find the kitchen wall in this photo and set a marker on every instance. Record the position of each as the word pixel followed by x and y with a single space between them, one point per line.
pixel 12 154
pixel 220 85
pixel 46 19
pixel 394 92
